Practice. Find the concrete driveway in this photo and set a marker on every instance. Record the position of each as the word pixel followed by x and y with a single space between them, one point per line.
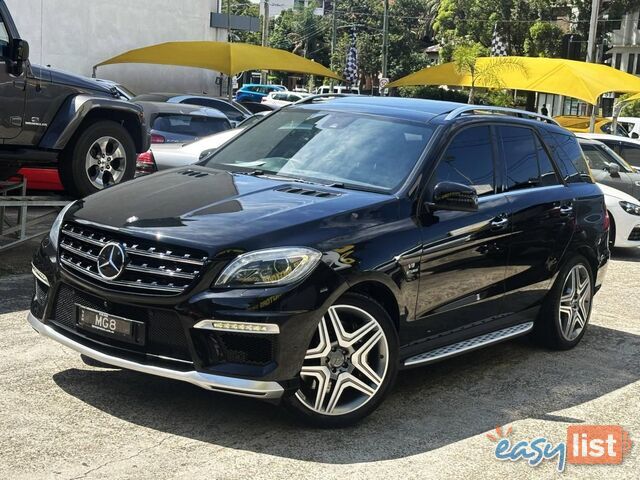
pixel 62 419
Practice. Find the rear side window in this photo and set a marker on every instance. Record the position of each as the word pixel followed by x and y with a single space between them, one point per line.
pixel 469 160
pixel 196 126
pixel 230 111
pixel 526 163
pixel 569 157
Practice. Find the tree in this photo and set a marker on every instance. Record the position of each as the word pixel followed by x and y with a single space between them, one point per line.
pixel 245 7
pixel 544 40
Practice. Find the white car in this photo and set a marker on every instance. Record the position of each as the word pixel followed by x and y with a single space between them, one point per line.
pixel 326 89
pixel 632 124
pixel 280 99
pixel 627 148
pixel 167 155
pixel 624 211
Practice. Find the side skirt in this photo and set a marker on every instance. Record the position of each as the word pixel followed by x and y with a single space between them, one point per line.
pixel 469 344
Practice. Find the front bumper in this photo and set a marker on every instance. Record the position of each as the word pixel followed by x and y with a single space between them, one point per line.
pixel 219 383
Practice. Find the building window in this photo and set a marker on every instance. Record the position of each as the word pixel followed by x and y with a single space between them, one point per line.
pixel 638 67
pixel 632 60
pixel 618 60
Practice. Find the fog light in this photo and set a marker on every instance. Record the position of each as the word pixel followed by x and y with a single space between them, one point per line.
pixel 248 327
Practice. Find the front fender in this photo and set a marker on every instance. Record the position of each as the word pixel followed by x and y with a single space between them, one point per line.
pixel 76 109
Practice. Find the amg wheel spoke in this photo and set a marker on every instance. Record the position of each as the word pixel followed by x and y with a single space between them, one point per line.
pixel 360 358
pixel 322 376
pixel 348 339
pixel 346 380
pixel 324 345
pixel 567 310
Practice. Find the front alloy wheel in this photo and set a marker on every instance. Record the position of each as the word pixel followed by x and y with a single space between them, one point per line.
pixel 349 364
pixel 106 162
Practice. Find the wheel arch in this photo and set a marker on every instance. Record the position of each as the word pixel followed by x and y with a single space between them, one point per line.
pixel 382 293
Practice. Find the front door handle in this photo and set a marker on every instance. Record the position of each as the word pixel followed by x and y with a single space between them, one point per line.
pixel 499 223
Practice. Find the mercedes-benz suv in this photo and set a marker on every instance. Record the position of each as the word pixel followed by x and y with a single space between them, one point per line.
pixel 329 246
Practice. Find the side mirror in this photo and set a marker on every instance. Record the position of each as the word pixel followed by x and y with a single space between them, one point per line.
pixel 18 55
pixel 454 196
pixel 614 169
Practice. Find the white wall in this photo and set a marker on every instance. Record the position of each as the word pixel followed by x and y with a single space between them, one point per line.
pixel 74 35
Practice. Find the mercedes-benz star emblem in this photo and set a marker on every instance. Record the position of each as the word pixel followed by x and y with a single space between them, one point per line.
pixel 112 260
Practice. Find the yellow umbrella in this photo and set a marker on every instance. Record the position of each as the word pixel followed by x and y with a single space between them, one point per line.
pixel 585 81
pixel 224 57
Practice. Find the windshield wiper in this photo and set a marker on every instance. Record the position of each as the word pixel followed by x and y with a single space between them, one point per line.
pixel 253 173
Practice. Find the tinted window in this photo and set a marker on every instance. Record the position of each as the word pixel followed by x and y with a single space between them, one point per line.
pixel 597 160
pixel 196 126
pixel 525 162
pixel 631 153
pixel 569 156
pixel 329 147
pixel 468 160
pixel 230 111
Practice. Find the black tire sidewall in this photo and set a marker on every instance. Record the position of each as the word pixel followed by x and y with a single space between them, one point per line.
pixel 332 421
pixel 72 166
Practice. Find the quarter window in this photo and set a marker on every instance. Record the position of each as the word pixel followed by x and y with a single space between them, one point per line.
pixel 526 162
pixel 469 160
pixel 4 40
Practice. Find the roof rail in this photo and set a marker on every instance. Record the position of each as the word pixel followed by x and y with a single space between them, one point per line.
pixel 483 109
pixel 322 96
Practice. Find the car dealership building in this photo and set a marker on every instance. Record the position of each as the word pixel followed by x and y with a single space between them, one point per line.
pixel 74 35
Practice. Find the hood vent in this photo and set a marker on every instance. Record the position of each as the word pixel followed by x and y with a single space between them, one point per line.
pixel 193 173
pixel 307 192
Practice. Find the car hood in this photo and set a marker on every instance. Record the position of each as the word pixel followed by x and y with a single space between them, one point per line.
pixel 65 78
pixel 215 210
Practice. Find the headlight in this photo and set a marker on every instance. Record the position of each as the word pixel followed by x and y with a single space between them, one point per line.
pixel 631 208
pixel 270 267
pixel 55 228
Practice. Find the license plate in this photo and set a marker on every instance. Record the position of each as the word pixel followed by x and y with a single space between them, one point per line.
pixel 109 325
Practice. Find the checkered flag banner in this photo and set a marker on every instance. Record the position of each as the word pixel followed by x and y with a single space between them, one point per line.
pixel 351 68
pixel 499 45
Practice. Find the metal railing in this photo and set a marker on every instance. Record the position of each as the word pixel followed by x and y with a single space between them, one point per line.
pixel 482 109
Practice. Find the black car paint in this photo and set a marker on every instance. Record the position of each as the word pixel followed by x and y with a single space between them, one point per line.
pixel 443 276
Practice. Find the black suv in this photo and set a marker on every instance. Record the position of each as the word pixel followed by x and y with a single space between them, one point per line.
pixel 52 117
pixel 328 246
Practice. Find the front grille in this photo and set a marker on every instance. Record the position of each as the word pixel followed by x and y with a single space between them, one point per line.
pixel 165 335
pixel 635 234
pixel 39 300
pixel 152 266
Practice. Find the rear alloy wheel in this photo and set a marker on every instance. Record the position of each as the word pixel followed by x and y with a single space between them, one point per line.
pixel 350 363
pixel 564 316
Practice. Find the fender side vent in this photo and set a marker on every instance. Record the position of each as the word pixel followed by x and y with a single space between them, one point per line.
pixel 307 192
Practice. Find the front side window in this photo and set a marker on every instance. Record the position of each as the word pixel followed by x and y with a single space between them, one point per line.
pixel 4 40
pixel 526 162
pixel 597 160
pixel 328 147
pixel 468 160
pixel 630 152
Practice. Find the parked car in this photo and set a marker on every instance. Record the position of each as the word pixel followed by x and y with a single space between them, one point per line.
pixel 180 123
pixel 123 92
pixel 627 148
pixel 631 125
pixel 258 107
pixel 293 265
pixel 326 89
pixel 69 122
pixel 253 92
pixel 234 111
pixel 624 211
pixel 280 99
pixel 176 155
pixel 580 124
pixel 609 168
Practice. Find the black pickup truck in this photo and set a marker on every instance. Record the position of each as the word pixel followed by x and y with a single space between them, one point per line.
pixel 50 117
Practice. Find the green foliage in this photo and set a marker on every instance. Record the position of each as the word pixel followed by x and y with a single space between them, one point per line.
pixel 630 109
pixel 544 40
pixel 433 93
pixel 245 7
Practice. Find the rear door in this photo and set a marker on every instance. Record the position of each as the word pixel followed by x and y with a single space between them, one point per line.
pixel 543 216
pixel 464 254
pixel 627 150
pixel 12 87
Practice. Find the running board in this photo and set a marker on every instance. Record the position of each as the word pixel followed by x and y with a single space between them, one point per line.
pixel 471 344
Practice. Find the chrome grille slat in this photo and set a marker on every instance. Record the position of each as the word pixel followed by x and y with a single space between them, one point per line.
pixel 151 267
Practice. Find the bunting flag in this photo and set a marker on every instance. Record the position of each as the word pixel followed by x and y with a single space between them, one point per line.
pixel 351 67
pixel 499 45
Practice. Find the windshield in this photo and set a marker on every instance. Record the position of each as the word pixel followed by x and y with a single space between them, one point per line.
pixel 328 147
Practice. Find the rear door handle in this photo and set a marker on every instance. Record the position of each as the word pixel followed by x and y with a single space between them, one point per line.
pixel 500 222
pixel 566 210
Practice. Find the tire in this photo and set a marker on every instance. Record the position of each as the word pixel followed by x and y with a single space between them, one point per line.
pixel 108 148
pixel 366 364
pixel 563 331
pixel 612 232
